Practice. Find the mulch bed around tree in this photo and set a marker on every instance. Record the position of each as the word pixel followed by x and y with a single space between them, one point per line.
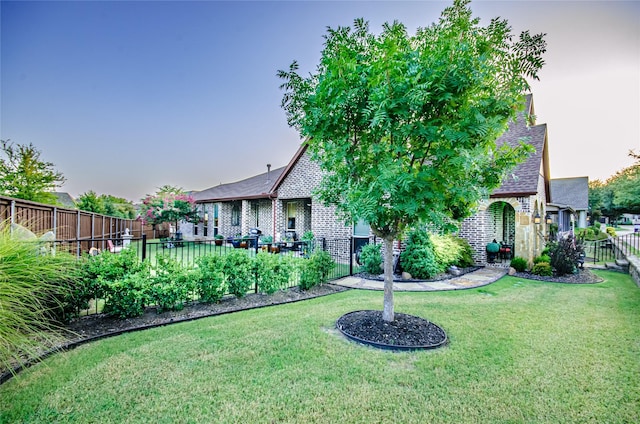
pixel 405 332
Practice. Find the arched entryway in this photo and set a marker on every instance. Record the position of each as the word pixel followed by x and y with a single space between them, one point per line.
pixel 502 226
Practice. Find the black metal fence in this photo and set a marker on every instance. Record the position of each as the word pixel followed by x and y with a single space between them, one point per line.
pixel 187 251
pixel 612 248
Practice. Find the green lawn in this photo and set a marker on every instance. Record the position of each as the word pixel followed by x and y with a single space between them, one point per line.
pixel 520 351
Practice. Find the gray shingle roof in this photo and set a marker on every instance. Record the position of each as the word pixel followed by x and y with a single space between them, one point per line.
pixel 259 186
pixel 572 192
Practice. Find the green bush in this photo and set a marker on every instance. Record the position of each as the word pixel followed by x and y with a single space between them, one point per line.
pixel 106 266
pixel 542 268
pixel 32 290
pixel 238 269
pixel 541 258
pixel 564 255
pixel 419 259
pixel 446 249
pixel 315 270
pixel 272 271
pixel 210 279
pixel 611 231
pixel 170 285
pixel 371 258
pixel 519 264
pixel 465 252
pixel 128 296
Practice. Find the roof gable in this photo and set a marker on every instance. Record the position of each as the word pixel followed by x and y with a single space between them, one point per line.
pixel 525 177
pixel 256 187
pixel 573 192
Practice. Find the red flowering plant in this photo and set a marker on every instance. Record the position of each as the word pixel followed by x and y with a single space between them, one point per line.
pixel 169 206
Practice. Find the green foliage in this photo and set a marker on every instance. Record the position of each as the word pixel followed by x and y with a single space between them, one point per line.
pixel 171 285
pixel 33 288
pixel 106 205
pixel 210 280
pixel 272 271
pixel 128 296
pixel 565 254
pixel 542 268
pixel 611 231
pixel 592 233
pixel 170 204
pixel 371 258
pixel 541 258
pixel 447 248
pixel 315 270
pixel 24 175
pixel 239 271
pixel 519 263
pixel 405 124
pixel 619 194
pixel 465 254
pixel 419 258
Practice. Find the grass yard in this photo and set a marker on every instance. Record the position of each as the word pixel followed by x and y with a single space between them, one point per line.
pixel 520 351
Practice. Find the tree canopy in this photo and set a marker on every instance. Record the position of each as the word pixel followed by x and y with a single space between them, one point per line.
pixel 617 195
pixel 24 175
pixel 169 204
pixel 405 126
pixel 106 204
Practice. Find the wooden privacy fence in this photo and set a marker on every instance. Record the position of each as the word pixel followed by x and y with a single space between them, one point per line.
pixel 68 224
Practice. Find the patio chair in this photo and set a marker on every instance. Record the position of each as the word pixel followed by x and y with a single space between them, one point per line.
pixel 112 248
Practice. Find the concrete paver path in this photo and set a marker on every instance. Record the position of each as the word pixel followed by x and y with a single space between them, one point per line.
pixel 478 278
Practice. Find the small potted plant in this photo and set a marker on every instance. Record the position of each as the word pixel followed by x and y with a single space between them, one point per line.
pixel 244 243
pixel 265 242
pixel 218 239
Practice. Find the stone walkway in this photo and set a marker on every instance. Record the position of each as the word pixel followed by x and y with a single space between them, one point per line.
pixel 478 278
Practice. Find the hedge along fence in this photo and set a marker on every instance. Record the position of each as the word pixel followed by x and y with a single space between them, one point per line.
pixel 69 224
pixel 124 286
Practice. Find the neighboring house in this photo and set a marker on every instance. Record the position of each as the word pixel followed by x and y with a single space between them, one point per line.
pixel 569 202
pixel 282 201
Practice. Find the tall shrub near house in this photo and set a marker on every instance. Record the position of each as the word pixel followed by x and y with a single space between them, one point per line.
pixel 405 126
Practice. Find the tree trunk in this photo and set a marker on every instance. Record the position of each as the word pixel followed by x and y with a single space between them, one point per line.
pixel 387 314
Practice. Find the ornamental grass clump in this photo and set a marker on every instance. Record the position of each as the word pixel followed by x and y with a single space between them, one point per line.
pixel 33 285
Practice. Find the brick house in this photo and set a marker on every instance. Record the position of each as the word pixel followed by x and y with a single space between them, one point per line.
pixel 282 201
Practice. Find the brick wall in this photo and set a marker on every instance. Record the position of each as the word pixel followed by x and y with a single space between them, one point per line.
pixel 298 186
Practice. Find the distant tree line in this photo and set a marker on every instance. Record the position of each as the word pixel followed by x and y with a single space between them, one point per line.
pixel 617 195
pixel 24 175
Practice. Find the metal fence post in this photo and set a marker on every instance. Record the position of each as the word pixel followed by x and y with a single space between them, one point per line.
pixel 144 247
pixel 350 256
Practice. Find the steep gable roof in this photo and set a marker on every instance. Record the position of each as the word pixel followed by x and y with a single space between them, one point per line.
pixel 573 192
pixel 257 187
pixel 524 179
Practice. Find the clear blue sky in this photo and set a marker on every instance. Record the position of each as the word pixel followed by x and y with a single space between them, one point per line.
pixel 124 97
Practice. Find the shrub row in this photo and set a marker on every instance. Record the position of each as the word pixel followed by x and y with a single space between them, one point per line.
pixel 128 286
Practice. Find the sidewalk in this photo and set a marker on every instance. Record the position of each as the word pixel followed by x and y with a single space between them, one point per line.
pixel 478 278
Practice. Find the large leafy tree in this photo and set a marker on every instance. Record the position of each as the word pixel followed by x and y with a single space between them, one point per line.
pixel 625 185
pixel 405 126
pixel 24 175
pixel 169 204
pixel 106 204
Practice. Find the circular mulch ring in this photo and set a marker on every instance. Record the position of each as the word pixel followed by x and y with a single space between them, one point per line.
pixel 406 332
